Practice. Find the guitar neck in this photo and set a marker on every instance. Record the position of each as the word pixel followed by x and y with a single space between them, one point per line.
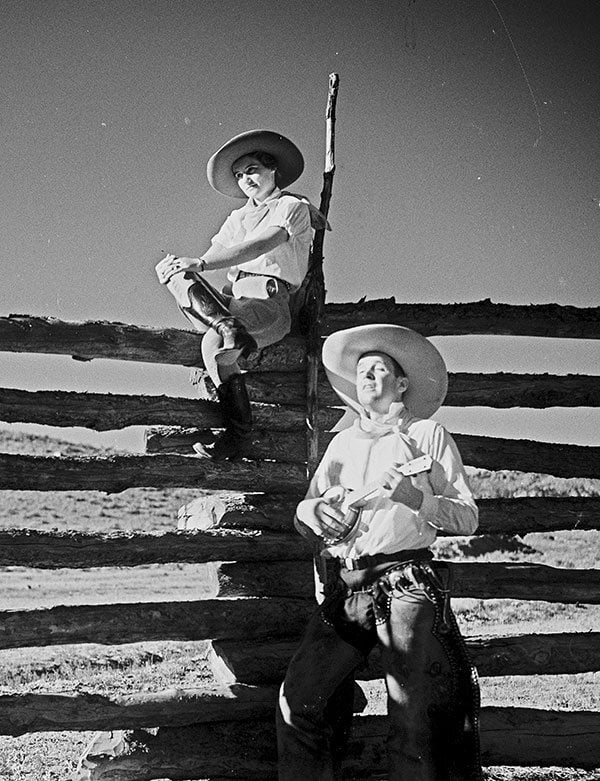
pixel 414 467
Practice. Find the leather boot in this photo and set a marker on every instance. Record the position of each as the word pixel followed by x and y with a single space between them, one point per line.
pixel 207 307
pixel 235 407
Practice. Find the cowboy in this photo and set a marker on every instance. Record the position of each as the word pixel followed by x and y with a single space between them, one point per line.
pixel 265 246
pixel 373 524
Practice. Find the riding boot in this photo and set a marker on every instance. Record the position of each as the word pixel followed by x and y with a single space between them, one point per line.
pixel 237 415
pixel 206 306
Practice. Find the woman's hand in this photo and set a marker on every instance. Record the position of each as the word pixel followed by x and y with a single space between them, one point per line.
pixel 172 264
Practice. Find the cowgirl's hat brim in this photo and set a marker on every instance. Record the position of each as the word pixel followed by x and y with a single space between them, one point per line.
pixel 290 162
pixel 422 363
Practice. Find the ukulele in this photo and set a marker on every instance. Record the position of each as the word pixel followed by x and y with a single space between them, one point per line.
pixel 354 501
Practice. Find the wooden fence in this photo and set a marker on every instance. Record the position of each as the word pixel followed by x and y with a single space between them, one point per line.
pixel 226 730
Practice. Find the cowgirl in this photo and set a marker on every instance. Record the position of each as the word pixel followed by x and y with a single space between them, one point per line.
pixel 265 245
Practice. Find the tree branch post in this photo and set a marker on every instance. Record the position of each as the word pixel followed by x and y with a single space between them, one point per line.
pixel 315 291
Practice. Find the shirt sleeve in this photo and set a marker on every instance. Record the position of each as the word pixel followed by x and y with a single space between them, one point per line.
pixel 291 214
pixel 320 482
pixel 323 478
pixel 226 235
pixel 451 506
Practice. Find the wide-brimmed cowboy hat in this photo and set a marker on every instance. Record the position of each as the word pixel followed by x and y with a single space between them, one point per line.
pixel 423 365
pixel 290 162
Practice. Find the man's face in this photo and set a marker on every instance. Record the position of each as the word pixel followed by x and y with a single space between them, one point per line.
pixel 377 386
pixel 255 180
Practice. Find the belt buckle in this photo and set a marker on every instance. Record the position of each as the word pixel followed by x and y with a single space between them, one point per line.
pixel 349 563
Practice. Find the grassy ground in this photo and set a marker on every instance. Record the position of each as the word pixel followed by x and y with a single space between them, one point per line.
pixel 155 666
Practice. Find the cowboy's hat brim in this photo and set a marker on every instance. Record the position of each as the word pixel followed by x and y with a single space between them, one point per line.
pixel 290 162
pixel 422 363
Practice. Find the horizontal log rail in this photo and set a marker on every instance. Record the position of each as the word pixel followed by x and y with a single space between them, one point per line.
pixel 104 411
pixel 55 550
pixel 493 453
pixel 502 390
pixel 481 580
pixel 477 317
pixel 87 340
pixel 27 713
pixel 246 749
pixel 520 515
pixel 46 712
pixel 559 460
pixel 117 473
pixel 262 663
pixel 265 617
pixel 114 624
pixel 535 391
pixel 122 341
pixel 268 442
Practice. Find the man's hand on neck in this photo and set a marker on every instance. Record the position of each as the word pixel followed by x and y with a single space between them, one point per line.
pixel 400 488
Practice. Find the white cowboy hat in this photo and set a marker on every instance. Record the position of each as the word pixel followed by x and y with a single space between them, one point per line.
pixel 290 162
pixel 423 365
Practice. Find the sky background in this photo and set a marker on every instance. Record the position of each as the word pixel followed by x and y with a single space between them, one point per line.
pixel 466 150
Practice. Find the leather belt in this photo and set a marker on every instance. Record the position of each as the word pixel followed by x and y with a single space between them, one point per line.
pixel 287 285
pixel 364 562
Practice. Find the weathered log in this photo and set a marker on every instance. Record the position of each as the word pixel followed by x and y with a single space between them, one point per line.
pixel 226 510
pixel 99 339
pixel 526 514
pixel 526 581
pixel 493 453
pixel 476 317
pixel 481 580
pixel 116 473
pixel 131 623
pixel 524 455
pixel 122 341
pixel 102 339
pixel 532 737
pixel 501 390
pixel 546 654
pixel 216 542
pixel 26 713
pixel 266 444
pixel 496 516
pixel 246 749
pixel 536 391
pixel 255 669
pixel 105 411
pixel 53 550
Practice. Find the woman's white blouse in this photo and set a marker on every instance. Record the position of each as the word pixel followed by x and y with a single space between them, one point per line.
pixel 289 260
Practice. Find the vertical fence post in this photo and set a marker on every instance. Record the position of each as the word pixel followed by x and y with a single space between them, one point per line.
pixel 315 289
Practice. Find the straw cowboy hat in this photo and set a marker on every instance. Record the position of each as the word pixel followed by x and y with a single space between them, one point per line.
pixel 290 162
pixel 423 365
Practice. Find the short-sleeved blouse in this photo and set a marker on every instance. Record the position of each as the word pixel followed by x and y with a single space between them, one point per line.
pixel 289 260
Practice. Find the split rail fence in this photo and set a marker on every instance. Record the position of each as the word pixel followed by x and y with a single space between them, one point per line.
pixel 265 577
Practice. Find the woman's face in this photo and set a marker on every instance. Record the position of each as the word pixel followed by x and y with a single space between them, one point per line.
pixel 255 180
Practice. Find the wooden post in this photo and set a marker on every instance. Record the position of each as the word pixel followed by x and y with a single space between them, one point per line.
pixel 315 291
